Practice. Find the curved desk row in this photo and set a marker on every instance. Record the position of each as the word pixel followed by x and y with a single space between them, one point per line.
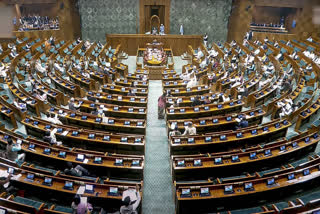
pixel 221 141
pixel 102 141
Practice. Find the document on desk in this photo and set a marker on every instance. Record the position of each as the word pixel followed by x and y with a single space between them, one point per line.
pixel 81 190
pixel 86 160
pixel 65 133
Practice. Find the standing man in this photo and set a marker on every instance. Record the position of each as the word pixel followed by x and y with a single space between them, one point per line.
pixel 181 29
pixel 205 39
pixel 161 29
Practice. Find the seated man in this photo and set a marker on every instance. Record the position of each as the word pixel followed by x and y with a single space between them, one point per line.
pixel 73 106
pixel 196 101
pixel 13 149
pixel 131 199
pixel 51 138
pixel 190 130
pixel 76 171
pixel 54 119
pixel 199 54
pixel 175 132
pixel 192 82
pixel 39 67
pixel 20 105
pixel 3 70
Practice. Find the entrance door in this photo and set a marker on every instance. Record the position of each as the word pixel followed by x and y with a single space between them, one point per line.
pixel 149 8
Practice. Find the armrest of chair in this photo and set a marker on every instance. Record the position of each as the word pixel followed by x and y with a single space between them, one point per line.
pixel 275 207
pixel 299 201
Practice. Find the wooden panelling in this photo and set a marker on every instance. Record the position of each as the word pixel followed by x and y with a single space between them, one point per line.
pixel 131 42
pixel 242 13
pixel 145 7
pixel 42 34
pixel 69 21
pixel 273 36
pixel 282 3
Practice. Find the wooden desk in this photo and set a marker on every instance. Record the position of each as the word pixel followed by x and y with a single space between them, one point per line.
pixel 119 99
pixel 239 196
pixel 131 42
pixel 103 141
pixel 219 123
pixel 121 90
pixel 106 167
pixel 37 187
pixel 204 110
pixel 196 90
pixel 100 123
pixel 128 83
pixel 249 160
pixel 214 142
pixel 112 110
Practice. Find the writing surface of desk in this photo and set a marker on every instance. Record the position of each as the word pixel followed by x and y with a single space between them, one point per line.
pixel 191 144
pixel 131 42
pixel 224 164
pixel 133 144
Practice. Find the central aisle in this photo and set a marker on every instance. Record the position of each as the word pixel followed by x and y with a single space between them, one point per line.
pixel 157 192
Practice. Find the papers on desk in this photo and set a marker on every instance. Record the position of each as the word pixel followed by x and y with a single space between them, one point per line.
pixel 4 173
pixel 81 190
pixel 86 160
pixel 65 133
pixel 16 177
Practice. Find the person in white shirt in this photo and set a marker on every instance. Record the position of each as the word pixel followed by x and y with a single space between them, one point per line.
pixel 199 54
pixel 310 39
pixel 213 53
pixel 306 53
pixel 192 82
pixel 40 68
pixel 54 119
pixel 286 111
pixel 190 130
pixel 40 95
pixel 205 39
pixel 130 199
pixel 85 74
pixel 204 63
pixel 257 51
pixel 1 50
pixel 58 67
pixel 309 68
pixel 20 105
pixel 317 60
pixel 226 98
pixel 293 55
pixel 3 70
pixel 51 138
pixel 312 56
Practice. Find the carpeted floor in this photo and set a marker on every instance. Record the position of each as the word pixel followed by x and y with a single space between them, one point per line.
pixel 157 193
